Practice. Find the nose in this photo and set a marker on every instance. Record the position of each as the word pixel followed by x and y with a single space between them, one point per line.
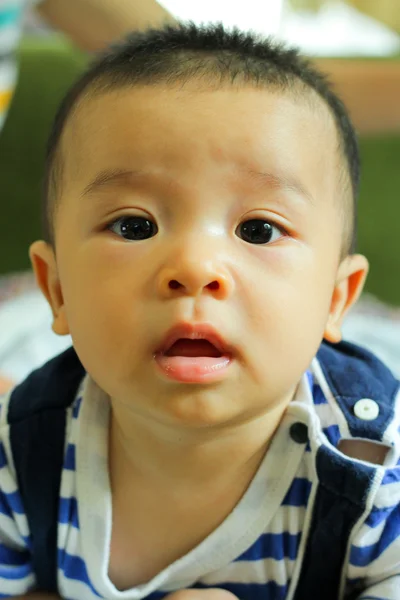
pixel 190 275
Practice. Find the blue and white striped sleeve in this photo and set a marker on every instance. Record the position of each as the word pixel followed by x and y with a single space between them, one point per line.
pixel 374 562
pixel 16 575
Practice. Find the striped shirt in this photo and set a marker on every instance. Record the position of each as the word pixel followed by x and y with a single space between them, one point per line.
pixel 11 14
pixel 256 552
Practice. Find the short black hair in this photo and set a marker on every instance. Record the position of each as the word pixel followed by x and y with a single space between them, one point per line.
pixel 211 53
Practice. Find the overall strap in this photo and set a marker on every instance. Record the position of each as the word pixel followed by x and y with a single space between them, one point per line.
pixel 37 418
pixel 339 503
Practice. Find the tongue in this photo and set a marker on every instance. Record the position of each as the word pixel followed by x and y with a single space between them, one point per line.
pixel 186 347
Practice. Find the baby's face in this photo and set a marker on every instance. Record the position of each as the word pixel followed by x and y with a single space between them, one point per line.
pixel 166 195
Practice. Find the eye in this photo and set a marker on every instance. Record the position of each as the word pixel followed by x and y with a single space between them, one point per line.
pixel 258 231
pixel 134 228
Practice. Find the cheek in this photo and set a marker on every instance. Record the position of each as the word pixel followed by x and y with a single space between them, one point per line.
pixel 103 294
pixel 287 308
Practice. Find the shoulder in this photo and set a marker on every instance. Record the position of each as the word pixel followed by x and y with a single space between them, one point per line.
pixel 355 382
pixel 346 367
pixel 52 386
pixel 33 420
pixel 35 424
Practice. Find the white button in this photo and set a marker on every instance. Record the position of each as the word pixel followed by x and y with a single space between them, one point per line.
pixel 366 409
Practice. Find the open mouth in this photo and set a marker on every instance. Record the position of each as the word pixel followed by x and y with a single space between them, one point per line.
pixel 194 354
pixel 193 348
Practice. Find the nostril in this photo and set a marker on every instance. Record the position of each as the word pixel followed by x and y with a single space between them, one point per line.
pixel 175 285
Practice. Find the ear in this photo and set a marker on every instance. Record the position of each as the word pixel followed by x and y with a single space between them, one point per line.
pixel 44 264
pixel 350 280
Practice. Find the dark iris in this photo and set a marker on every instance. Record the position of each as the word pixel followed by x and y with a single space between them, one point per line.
pixel 136 228
pixel 256 231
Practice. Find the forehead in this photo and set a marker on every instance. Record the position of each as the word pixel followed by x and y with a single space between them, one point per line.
pixel 196 131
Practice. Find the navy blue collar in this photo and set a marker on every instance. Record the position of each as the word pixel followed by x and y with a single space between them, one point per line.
pixel 354 373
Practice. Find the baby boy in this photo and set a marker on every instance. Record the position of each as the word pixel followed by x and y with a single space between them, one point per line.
pixel 209 433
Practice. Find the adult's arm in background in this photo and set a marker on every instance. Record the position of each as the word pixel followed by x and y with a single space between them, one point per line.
pixel 92 24
pixel 370 89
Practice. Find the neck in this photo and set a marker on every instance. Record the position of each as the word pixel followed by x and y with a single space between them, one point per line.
pixel 161 455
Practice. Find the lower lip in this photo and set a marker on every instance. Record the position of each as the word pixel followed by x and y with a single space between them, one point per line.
pixel 194 369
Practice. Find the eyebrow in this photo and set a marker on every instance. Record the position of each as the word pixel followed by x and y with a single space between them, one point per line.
pixel 117 176
pixel 108 177
pixel 281 181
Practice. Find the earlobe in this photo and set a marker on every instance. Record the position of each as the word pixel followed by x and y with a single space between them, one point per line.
pixel 351 277
pixel 45 268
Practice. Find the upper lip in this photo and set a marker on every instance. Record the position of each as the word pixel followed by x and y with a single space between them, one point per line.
pixel 194 331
